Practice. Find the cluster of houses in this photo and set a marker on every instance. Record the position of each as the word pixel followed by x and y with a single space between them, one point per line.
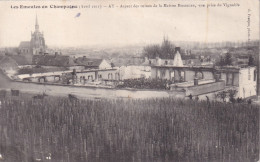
pixel 192 76
pixel 185 78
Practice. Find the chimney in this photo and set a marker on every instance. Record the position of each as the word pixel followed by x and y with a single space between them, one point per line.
pixel 177 49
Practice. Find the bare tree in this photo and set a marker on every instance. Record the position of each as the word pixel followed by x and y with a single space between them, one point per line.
pixel 165 50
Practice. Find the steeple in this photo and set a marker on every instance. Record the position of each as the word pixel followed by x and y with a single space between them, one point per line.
pixel 37 43
pixel 36 24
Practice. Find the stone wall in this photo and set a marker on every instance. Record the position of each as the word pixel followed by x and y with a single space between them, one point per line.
pixel 201 88
pixel 92 92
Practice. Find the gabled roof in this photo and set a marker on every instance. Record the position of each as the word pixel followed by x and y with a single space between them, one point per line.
pixel 6 60
pixel 89 62
pixel 53 60
pixel 20 60
pixel 25 44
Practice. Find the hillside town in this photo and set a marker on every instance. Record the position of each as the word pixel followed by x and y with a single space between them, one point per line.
pixel 176 70
pixel 127 84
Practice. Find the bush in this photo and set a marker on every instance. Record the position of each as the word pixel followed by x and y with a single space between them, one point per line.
pixel 143 83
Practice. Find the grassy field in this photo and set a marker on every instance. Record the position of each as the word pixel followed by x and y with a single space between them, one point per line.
pixel 127 130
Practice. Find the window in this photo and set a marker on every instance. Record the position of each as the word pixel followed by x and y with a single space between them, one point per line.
pixel 110 76
pixel 199 75
pixel 166 62
pixel 163 73
pixel 249 75
pixel 229 77
pixel 254 75
pixel 117 77
pixel 90 77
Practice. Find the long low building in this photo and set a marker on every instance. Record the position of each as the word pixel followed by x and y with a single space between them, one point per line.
pixel 243 79
pixel 76 76
pixel 97 75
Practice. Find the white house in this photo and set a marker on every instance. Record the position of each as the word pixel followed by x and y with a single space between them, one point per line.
pixel 91 63
pixel 133 71
pixel 247 82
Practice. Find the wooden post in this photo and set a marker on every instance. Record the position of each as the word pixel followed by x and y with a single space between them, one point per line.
pixel 258 68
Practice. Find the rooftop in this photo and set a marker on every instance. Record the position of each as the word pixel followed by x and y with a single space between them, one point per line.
pixel 21 60
pixel 90 62
pixel 25 44
pixel 53 60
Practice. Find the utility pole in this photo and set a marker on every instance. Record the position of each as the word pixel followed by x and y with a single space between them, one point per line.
pixel 258 63
pixel 258 75
pixel 258 68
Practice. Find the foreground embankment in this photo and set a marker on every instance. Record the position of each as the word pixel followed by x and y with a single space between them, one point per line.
pixel 127 130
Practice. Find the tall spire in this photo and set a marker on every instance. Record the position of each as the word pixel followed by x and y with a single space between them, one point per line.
pixel 36 24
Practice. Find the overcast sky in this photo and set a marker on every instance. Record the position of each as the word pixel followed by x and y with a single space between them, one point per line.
pixel 128 26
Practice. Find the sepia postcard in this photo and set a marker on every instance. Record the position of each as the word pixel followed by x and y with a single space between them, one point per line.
pixel 129 80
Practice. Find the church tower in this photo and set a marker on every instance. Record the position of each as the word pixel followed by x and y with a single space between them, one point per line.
pixel 37 40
